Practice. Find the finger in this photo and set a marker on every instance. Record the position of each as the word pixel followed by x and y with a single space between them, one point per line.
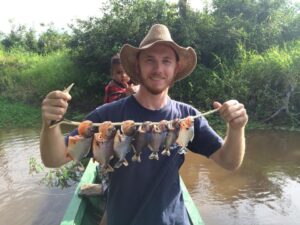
pixel 59 95
pixel 217 105
pixel 231 111
pixel 55 103
pixel 240 121
pixel 234 114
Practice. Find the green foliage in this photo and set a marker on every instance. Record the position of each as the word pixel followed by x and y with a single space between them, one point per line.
pixel 14 114
pixel 270 77
pixel 23 38
pixel 62 177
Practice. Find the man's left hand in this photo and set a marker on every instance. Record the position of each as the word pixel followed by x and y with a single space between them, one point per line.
pixel 233 112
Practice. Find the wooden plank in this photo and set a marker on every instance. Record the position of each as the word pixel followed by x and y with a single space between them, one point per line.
pixel 76 208
pixel 192 209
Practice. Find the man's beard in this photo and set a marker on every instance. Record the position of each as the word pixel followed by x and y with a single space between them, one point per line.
pixel 155 91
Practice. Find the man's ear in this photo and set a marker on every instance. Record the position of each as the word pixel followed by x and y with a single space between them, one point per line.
pixel 177 68
pixel 137 68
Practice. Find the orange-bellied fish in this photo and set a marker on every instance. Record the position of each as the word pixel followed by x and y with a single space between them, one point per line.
pixel 79 145
pixel 186 133
pixel 141 140
pixel 122 141
pixel 103 145
pixel 173 128
pixel 158 135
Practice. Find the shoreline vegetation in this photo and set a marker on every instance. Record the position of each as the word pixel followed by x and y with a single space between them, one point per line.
pixel 246 50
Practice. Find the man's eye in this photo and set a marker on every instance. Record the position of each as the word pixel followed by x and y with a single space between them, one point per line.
pixel 149 60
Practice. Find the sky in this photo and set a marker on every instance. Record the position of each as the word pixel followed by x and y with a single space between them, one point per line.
pixel 59 12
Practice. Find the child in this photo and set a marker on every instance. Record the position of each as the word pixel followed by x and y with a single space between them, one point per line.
pixel 120 86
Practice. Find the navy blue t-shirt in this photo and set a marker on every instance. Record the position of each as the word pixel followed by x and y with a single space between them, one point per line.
pixel 149 193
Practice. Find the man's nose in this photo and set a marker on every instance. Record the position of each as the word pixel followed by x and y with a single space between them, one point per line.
pixel 157 67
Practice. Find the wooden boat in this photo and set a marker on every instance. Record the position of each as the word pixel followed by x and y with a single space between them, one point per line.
pixel 88 210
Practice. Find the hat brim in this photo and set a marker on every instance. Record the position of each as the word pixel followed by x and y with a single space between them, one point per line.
pixel 187 59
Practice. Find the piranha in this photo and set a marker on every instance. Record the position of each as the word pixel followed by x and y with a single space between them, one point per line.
pixel 172 135
pixel 79 145
pixel 103 145
pixel 141 139
pixel 158 135
pixel 122 142
pixel 186 134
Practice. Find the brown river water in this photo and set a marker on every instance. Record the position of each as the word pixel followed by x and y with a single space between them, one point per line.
pixel 264 191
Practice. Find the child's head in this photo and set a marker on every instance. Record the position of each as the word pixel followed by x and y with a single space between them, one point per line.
pixel 117 71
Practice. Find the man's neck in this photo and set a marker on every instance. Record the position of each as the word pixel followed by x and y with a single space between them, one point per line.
pixel 151 101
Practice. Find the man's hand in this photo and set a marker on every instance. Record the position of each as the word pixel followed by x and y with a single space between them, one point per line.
pixel 55 105
pixel 233 112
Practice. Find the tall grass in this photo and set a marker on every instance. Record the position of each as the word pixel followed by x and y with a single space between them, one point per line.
pixel 28 77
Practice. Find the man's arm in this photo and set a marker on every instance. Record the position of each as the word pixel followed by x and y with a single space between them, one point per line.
pixel 52 143
pixel 231 154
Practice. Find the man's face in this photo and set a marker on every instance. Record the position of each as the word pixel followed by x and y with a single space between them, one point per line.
pixel 157 67
pixel 119 74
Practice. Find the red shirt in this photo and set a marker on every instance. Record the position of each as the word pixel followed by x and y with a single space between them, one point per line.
pixel 114 91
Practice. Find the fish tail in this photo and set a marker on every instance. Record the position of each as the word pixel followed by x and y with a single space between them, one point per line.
pixel 136 158
pixel 166 152
pixel 108 169
pixel 125 163
pixel 183 150
pixel 154 155
pixel 120 163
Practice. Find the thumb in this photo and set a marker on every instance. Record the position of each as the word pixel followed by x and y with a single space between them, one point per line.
pixel 217 105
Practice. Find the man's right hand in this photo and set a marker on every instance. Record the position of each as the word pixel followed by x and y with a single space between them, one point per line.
pixel 54 106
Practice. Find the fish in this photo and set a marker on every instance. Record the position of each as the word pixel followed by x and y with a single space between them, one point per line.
pixel 141 139
pixel 79 145
pixel 122 142
pixel 103 146
pixel 172 135
pixel 186 134
pixel 158 135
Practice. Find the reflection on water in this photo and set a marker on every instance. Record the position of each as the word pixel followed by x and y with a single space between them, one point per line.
pixel 23 200
pixel 265 190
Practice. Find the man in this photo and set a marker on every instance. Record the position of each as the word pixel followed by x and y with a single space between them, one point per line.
pixel 149 192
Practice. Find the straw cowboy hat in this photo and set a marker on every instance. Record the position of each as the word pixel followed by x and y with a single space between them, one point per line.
pixel 158 34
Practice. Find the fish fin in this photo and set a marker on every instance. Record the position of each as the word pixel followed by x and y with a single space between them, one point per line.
pixel 154 155
pixel 69 156
pixel 150 147
pixel 166 152
pixel 80 167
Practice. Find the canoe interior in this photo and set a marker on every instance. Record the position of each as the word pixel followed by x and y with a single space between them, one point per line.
pixel 89 210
